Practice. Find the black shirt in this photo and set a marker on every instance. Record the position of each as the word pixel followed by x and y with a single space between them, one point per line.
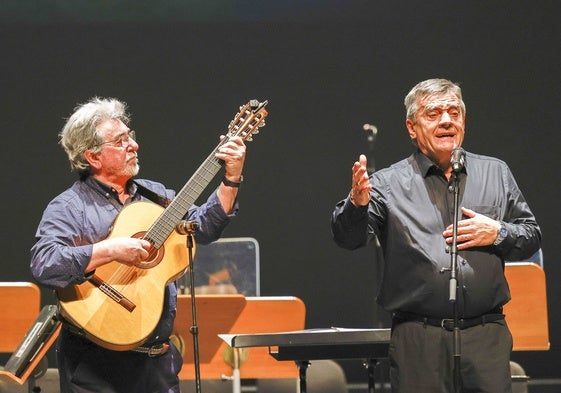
pixel 411 204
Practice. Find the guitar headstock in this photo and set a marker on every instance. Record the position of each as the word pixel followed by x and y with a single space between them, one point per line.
pixel 248 120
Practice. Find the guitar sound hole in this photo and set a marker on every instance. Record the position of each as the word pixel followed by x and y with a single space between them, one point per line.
pixel 155 255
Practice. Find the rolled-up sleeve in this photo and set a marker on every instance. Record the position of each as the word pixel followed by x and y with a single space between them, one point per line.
pixel 59 256
pixel 212 218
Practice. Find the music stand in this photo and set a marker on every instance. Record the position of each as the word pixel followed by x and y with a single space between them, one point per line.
pixel 216 313
pixel 29 334
pixel 269 314
pixel 259 314
pixel 313 344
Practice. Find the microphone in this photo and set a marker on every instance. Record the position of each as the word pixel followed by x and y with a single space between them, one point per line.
pixel 371 130
pixel 186 227
pixel 458 159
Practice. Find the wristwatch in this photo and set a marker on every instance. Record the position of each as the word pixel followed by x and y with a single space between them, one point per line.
pixel 501 234
pixel 232 183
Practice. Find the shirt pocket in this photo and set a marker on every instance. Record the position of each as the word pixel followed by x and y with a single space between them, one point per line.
pixel 489 211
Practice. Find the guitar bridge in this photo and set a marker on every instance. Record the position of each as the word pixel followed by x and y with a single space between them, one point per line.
pixel 112 293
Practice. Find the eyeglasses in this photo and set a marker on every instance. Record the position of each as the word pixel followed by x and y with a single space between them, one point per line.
pixel 122 141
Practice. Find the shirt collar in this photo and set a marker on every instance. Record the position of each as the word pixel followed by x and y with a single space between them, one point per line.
pixel 425 164
pixel 428 167
pixel 109 191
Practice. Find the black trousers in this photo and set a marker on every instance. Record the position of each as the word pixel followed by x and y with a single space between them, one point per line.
pixel 85 367
pixel 421 358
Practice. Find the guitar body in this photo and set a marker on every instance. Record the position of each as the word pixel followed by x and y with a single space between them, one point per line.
pixel 104 320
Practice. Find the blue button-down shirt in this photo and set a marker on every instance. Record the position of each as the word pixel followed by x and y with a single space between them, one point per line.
pixel 411 204
pixel 83 215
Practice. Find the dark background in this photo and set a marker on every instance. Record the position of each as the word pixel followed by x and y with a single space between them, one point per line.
pixel 326 67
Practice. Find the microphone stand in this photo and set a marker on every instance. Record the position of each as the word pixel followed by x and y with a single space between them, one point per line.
pixel 381 317
pixel 188 228
pixel 456 339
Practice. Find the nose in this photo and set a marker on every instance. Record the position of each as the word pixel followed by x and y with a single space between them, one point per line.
pixel 445 118
pixel 133 145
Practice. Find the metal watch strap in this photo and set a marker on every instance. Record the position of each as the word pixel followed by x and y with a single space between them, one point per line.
pixel 501 235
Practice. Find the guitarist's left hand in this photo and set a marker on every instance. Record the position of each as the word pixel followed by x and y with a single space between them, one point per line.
pixel 232 153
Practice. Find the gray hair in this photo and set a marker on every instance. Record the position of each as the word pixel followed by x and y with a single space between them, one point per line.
pixel 428 88
pixel 80 134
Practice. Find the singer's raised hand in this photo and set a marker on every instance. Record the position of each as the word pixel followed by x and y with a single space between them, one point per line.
pixel 360 189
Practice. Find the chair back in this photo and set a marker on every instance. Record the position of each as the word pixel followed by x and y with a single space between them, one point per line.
pixel 526 313
pixel 20 303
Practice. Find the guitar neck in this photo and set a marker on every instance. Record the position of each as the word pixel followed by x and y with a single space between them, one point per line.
pixel 246 123
pixel 185 198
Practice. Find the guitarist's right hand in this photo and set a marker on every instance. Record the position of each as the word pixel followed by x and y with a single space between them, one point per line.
pixel 127 250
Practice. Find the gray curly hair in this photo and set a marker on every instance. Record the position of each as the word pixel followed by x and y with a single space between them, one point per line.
pixel 80 133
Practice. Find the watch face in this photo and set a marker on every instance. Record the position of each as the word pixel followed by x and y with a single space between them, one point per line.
pixel 503 232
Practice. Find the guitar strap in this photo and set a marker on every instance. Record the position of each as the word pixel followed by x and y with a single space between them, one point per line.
pixel 151 195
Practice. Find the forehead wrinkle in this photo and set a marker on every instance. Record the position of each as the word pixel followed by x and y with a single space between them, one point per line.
pixel 443 103
pixel 112 127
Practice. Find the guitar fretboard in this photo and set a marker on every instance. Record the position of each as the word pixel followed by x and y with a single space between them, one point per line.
pixel 185 198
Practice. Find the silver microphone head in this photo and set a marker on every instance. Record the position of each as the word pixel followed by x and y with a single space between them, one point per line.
pixel 370 128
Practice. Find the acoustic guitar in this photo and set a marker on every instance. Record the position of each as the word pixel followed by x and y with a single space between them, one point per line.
pixel 120 305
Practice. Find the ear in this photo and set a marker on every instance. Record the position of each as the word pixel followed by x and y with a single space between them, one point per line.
pixel 93 160
pixel 412 133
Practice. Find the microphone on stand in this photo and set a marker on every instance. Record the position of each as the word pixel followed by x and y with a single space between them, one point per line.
pixel 371 130
pixel 187 227
pixel 458 159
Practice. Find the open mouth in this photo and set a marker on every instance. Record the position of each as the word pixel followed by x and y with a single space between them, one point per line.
pixel 446 135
